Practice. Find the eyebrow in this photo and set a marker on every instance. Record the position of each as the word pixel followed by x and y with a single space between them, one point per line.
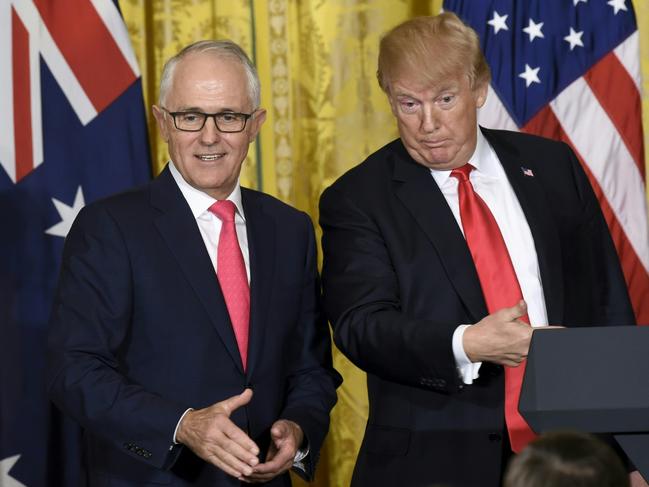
pixel 402 94
pixel 453 87
pixel 201 110
pixel 189 109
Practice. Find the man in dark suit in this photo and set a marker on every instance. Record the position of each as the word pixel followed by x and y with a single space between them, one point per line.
pixel 180 375
pixel 424 310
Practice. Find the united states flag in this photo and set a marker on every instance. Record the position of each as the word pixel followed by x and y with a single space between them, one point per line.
pixel 569 70
pixel 72 129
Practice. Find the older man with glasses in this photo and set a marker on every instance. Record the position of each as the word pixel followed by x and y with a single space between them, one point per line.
pixel 186 336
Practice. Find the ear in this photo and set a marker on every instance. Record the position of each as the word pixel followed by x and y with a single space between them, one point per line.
pixel 256 122
pixel 160 116
pixel 480 94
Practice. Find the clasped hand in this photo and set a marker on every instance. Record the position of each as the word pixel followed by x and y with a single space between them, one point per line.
pixel 502 337
pixel 211 435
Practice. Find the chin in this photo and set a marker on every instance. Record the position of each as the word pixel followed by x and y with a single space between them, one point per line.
pixel 436 162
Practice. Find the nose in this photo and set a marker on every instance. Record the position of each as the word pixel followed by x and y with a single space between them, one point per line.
pixel 429 120
pixel 209 133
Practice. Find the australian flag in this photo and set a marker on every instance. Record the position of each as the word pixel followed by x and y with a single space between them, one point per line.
pixel 570 70
pixel 72 129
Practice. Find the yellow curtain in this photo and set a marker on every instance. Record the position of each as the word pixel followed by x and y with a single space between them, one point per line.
pixel 326 113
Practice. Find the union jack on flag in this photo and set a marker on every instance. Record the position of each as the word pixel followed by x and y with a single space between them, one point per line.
pixel 72 130
pixel 570 70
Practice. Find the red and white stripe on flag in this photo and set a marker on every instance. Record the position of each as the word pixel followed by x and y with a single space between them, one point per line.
pixel 87 49
pixel 599 116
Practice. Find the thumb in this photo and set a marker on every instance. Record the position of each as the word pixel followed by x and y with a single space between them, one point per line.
pixel 515 312
pixel 279 430
pixel 235 402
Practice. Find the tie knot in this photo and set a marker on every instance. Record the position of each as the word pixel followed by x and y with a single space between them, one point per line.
pixel 224 210
pixel 462 173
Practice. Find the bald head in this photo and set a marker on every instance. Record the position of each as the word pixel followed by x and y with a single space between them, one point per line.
pixel 221 49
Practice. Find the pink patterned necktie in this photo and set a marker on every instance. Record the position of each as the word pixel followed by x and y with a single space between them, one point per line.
pixel 500 288
pixel 231 273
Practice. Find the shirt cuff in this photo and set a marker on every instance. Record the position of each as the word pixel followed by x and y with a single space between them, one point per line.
pixel 300 455
pixel 178 424
pixel 467 370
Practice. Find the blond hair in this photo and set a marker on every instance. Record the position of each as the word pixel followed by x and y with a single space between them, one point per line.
pixel 430 49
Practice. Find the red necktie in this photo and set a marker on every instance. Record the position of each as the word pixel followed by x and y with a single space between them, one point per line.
pixel 231 272
pixel 499 286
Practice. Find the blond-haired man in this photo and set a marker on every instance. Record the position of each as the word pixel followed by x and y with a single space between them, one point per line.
pixel 440 250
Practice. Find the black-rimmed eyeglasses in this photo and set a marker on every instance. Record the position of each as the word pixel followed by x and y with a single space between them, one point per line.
pixel 227 122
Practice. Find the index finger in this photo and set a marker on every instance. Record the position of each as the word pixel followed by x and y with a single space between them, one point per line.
pixel 239 438
pixel 283 459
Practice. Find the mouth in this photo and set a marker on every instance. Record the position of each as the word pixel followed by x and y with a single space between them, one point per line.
pixel 433 144
pixel 209 157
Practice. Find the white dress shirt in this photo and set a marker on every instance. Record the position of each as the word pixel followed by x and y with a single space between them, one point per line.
pixel 490 182
pixel 208 223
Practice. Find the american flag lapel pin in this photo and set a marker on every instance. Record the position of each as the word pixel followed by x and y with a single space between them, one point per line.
pixel 527 171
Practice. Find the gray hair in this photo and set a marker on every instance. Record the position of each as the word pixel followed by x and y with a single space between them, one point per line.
pixel 223 48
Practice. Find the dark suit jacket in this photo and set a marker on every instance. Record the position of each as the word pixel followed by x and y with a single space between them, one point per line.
pixel 398 279
pixel 140 332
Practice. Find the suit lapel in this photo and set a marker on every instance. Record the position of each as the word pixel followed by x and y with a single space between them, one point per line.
pixel 261 245
pixel 416 188
pixel 533 201
pixel 179 230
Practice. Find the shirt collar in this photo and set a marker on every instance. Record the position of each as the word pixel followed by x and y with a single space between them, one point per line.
pixel 198 201
pixel 482 160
